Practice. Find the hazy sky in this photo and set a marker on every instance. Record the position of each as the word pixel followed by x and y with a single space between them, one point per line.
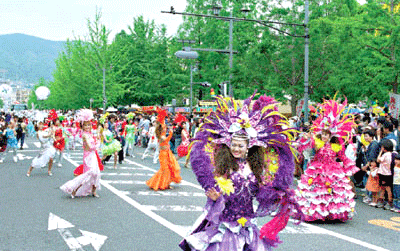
pixel 62 19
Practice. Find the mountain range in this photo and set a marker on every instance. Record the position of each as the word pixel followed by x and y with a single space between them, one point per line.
pixel 28 58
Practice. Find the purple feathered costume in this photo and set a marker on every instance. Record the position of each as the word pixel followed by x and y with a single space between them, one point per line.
pixel 229 222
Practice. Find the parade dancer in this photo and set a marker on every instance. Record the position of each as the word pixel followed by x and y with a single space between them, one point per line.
pixel 87 183
pixel 183 148
pixel 74 131
pixel 111 145
pixel 228 157
pixel 67 136
pixel 47 153
pixel 130 135
pixel 325 191
pixel 31 129
pixel 169 168
pixel 59 142
pixel 153 144
pixel 12 143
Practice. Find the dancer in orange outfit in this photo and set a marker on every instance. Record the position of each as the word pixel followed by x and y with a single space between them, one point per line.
pixel 169 168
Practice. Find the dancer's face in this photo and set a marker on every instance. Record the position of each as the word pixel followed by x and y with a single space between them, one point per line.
pixel 238 148
pixel 87 127
pixel 325 137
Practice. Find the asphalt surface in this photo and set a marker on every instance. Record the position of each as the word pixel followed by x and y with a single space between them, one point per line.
pixel 36 215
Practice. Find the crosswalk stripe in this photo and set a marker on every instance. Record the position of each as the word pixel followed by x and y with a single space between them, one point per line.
pixel 128 174
pixel 176 208
pixel 169 193
pixel 128 182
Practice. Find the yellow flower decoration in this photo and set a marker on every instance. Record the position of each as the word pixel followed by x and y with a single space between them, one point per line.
pixel 246 125
pixel 336 147
pixel 327 183
pixel 363 141
pixel 329 190
pixel 310 180
pixel 225 185
pixel 273 168
pixel 319 143
pixel 242 221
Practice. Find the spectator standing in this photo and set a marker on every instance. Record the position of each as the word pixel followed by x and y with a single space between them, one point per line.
pixel 396 184
pixel 21 131
pixel 385 174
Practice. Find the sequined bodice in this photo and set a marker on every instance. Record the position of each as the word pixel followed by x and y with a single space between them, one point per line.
pixel 325 154
pixel 240 203
pixel 130 129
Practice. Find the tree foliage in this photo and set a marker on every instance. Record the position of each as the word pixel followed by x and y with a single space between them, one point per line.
pixel 354 51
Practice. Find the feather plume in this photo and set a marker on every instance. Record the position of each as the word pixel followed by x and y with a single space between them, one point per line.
pixel 161 115
pixel 84 115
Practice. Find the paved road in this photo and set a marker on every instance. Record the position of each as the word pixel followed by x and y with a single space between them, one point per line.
pixel 36 215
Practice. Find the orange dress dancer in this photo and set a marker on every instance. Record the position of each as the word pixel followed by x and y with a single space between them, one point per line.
pixel 169 168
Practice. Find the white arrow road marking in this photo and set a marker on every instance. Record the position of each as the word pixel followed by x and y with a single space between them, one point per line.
pixel 56 222
pixel 71 241
pixel 96 240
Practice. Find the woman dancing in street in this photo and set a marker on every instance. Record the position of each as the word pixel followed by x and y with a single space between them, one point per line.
pixel 111 145
pixel 46 156
pixel 130 136
pixel 169 168
pixel 88 183
pixel 59 142
pixel 228 157
pixel 325 191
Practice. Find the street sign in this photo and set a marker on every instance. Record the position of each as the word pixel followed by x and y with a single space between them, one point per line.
pixel 87 238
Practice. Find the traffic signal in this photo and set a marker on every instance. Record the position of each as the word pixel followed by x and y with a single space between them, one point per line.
pixel 200 94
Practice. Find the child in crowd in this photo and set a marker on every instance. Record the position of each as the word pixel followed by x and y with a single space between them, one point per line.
pixel 385 173
pixel 373 182
pixel 12 143
pixel 396 184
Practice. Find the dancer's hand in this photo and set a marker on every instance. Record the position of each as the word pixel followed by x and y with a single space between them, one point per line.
pixel 213 194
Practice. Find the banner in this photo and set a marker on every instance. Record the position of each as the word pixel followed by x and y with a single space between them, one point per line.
pixel 205 109
pixel 149 108
pixel 207 103
pixel 182 109
pixel 394 105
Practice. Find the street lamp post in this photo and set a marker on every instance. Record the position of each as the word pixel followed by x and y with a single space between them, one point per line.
pixel 188 54
pixel 104 87
pixel 216 9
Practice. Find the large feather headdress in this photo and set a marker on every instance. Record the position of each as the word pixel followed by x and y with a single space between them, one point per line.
pixel 84 115
pixel 333 119
pixel 262 123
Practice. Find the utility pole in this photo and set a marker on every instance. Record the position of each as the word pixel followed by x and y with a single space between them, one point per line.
pixel 306 51
pixel 230 55
pixel 191 89
pixel 104 91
